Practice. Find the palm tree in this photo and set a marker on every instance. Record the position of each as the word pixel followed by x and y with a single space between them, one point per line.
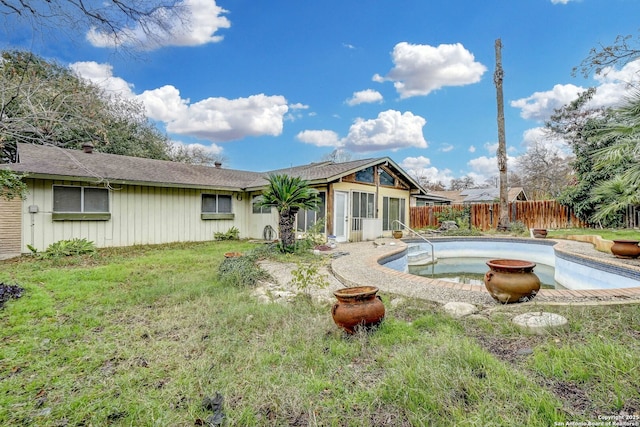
pixel 620 140
pixel 289 194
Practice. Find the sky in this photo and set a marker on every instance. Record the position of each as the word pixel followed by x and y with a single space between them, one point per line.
pixel 270 84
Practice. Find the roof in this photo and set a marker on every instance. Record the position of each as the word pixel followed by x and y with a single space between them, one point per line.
pixel 480 195
pixel 52 162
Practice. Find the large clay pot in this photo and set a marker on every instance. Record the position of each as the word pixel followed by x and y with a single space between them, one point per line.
pixel 357 307
pixel 539 233
pixel 511 280
pixel 625 248
pixel 397 234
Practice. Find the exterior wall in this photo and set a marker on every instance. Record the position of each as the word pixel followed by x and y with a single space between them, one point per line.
pixel 10 227
pixel 379 191
pixel 139 215
pixel 258 221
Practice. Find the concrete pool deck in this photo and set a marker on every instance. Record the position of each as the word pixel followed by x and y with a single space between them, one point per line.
pixel 359 265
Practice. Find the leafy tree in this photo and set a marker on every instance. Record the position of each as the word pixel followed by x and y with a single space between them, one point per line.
pixel 288 195
pixel 576 123
pixel 45 103
pixel 11 185
pixel 619 141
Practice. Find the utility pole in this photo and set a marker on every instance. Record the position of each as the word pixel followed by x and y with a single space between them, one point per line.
pixel 503 222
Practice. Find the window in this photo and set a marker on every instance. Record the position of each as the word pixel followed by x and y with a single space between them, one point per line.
pixel 362 205
pixel 80 203
pixel 392 209
pixel 216 203
pixel 365 175
pixel 257 209
pixel 307 218
pixel 386 178
pixel 216 206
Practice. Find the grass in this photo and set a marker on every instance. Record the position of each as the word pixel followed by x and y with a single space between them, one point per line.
pixel 605 233
pixel 140 336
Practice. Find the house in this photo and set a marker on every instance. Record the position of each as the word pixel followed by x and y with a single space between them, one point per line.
pixel 482 195
pixel 117 200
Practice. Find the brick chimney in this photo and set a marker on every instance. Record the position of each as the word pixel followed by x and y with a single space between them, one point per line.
pixel 217 164
pixel 87 147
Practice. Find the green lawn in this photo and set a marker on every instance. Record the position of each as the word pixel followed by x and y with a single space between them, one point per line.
pixel 605 233
pixel 141 336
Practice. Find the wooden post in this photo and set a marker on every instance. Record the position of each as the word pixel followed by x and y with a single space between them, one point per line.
pixel 503 222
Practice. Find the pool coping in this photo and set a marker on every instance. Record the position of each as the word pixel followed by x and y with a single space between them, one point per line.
pixel 361 265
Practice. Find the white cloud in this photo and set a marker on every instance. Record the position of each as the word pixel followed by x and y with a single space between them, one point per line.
pixel 197 24
pixel 391 130
pixel 213 149
pixel 541 105
pixel 420 168
pixel 445 148
pixel 319 138
pixel 222 119
pixel 613 85
pixel 560 1
pixel 421 69
pixel 365 96
pixel 164 103
pixel 483 167
pixel 102 75
pixel 472 149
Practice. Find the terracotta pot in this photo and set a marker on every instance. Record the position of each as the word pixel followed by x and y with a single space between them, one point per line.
pixel 625 248
pixel 540 233
pixel 511 280
pixel 397 234
pixel 232 254
pixel 357 307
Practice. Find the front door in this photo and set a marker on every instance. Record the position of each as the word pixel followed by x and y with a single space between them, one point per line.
pixel 340 215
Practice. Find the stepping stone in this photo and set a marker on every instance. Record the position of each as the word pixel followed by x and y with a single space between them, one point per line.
pixel 459 309
pixel 539 322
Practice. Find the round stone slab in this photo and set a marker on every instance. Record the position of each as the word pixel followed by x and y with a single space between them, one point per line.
pixel 459 309
pixel 539 322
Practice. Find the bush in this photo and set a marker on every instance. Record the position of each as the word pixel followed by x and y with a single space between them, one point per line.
pixel 66 248
pixel 240 271
pixel 517 227
pixel 231 234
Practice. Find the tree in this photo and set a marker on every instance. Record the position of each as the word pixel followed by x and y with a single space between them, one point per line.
pixel 619 141
pixel 462 183
pixel 288 195
pixel 503 220
pixel 338 156
pixel 544 171
pixel 119 21
pixel 45 103
pixel 622 51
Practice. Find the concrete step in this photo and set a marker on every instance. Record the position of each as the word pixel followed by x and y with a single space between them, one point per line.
pixel 421 257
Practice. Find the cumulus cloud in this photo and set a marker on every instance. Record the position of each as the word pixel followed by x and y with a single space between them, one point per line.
pixel 421 169
pixel 612 86
pixel 320 138
pixel 472 148
pixel 421 69
pixel 365 96
pixel 222 119
pixel 391 130
pixel 560 1
pixel 213 119
pixel 197 24
pixel 102 75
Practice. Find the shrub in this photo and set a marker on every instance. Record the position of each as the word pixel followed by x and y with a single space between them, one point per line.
pixel 231 234
pixel 240 271
pixel 66 248
pixel 307 275
pixel 517 227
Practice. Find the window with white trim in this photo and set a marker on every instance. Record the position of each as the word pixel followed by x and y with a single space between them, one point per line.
pixel 259 209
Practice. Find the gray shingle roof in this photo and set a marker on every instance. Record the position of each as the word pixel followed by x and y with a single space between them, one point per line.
pixel 58 163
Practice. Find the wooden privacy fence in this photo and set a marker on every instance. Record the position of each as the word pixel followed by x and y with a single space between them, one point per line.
pixel 484 216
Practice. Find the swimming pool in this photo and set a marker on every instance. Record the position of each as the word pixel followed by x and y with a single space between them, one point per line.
pixel 570 271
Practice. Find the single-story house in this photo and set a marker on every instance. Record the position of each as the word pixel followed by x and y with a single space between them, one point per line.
pixel 482 195
pixel 117 200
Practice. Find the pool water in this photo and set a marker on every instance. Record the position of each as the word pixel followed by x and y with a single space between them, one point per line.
pixel 471 271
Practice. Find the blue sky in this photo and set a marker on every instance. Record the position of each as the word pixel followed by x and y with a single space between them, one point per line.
pixel 269 84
